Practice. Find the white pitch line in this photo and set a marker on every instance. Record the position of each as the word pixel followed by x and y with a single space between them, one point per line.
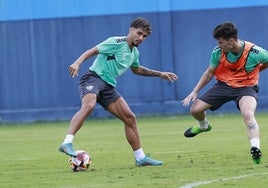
pixel 195 184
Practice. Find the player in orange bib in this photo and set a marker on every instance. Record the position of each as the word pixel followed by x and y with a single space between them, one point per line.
pixel 235 64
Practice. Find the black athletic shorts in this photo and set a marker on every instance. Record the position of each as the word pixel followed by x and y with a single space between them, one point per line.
pixel 90 82
pixel 221 93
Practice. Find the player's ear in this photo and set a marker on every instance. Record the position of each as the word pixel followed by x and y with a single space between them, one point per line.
pixel 232 40
pixel 131 29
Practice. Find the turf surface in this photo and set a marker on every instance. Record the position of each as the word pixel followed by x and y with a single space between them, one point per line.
pixel 220 158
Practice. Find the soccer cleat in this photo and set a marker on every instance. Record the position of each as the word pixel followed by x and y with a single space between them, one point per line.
pixel 195 130
pixel 256 155
pixel 68 149
pixel 147 161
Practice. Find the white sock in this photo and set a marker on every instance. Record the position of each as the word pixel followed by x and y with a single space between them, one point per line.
pixel 204 123
pixel 68 139
pixel 255 142
pixel 139 154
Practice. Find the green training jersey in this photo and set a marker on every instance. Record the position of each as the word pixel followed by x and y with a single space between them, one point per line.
pixel 257 55
pixel 114 58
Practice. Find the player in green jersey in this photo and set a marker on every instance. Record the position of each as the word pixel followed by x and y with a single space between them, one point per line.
pixel 114 56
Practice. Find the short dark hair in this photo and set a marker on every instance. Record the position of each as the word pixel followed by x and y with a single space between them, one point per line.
pixel 226 31
pixel 143 24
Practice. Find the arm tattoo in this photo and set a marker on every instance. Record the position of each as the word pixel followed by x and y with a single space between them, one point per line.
pixel 143 71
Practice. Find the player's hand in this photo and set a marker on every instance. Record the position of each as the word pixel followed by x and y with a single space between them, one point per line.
pixel 191 97
pixel 73 70
pixel 169 76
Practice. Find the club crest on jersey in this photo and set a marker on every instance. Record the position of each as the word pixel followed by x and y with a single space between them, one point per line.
pixel 89 88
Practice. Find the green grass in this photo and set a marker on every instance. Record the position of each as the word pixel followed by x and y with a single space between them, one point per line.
pixel 220 158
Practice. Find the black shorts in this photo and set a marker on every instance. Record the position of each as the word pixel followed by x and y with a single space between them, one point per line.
pixel 90 82
pixel 221 93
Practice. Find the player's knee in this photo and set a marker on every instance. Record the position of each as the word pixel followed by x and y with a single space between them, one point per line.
pixel 248 115
pixel 194 111
pixel 130 119
pixel 87 108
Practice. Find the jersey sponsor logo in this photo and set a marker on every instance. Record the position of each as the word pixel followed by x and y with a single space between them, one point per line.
pixel 121 39
pixel 254 50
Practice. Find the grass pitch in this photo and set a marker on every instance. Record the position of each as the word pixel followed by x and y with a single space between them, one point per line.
pixel 220 158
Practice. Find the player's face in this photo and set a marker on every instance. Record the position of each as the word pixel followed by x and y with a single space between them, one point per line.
pixel 226 44
pixel 137 36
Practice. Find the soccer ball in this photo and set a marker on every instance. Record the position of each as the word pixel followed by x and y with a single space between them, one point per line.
pixel 81 162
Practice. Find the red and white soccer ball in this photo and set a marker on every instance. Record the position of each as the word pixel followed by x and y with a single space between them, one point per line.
pixel 81 162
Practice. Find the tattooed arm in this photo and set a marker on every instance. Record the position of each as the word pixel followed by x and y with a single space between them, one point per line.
pixel 143 71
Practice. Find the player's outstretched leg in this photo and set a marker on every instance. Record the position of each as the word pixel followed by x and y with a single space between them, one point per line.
pixel 68 149
pixel 148 161
pixel 256 155
pixel 195 130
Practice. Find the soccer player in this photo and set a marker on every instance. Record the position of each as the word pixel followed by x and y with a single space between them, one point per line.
pixel 114 56
pixel 236 64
